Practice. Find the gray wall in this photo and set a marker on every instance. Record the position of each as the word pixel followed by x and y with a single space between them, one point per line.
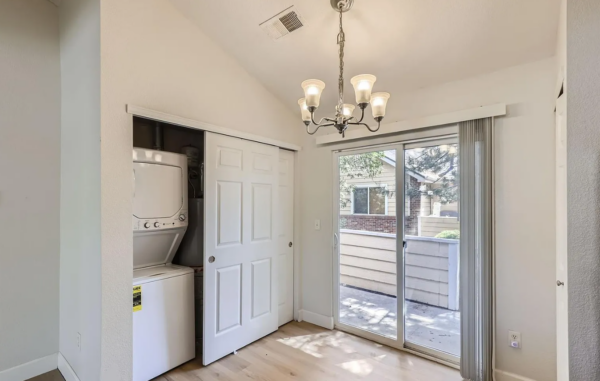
pixel 583 166
pixel 29 180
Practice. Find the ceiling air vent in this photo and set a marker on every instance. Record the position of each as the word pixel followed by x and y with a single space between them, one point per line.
pixel 282 23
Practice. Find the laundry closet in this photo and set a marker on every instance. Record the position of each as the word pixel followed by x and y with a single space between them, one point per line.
pixel 212 244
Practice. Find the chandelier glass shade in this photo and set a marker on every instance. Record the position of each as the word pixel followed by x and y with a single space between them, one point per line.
pixel 344 112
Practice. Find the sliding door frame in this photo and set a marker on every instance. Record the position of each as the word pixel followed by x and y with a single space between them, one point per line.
pixel 422 143
pixel 400 341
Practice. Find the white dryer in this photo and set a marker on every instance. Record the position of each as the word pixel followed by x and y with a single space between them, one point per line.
pixel 160 206
pixel 163 294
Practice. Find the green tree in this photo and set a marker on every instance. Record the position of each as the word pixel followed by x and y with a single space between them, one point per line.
pixel 440 163
pixel 360 166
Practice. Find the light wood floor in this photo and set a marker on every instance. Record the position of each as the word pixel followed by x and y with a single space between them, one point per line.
pixel 302 351
pixel 50 376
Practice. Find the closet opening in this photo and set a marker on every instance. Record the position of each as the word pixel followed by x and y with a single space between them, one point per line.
pixel 168 246
pixel 213 252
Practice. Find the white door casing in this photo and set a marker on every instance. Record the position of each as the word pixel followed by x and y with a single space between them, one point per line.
pixel 240 242
pixel 562 296
pixel 285 236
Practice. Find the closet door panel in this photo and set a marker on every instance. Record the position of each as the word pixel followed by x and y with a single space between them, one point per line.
pixel 285 236
pixel 241 254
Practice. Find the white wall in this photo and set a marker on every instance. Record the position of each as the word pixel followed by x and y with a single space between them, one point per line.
pixel 29 180
pixel 583 171
pixel 524 201
pixel 152 56
pixel 80 260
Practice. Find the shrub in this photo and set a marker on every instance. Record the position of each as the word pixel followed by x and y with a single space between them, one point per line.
pixel 449 234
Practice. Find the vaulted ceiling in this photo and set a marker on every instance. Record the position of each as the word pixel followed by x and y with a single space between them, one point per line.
pixel 407 44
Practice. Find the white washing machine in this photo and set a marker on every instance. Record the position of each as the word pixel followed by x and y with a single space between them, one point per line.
pixel 163 294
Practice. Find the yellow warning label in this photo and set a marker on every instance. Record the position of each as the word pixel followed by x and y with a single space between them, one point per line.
pixel 137 298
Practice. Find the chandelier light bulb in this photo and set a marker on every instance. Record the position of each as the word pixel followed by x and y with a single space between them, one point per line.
pixel 312 91
pixel 304 110
pixel 378 104
pixel 363 85
pixel 348 110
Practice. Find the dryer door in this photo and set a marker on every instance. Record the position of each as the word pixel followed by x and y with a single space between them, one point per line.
pixel 158 190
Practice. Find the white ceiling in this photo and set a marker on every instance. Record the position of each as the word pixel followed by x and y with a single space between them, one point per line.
pixel 407 44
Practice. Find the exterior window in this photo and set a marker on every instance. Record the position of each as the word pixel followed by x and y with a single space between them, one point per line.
pixel 369 200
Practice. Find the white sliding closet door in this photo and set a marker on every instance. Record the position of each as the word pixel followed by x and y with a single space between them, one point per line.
pixel 241 244
pixel 286 235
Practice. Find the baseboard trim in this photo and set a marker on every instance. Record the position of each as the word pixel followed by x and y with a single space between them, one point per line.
pixel 316 319
pixel 30 369
pixel 65 369
pixel 501 375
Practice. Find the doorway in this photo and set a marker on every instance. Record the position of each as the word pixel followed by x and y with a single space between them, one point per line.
pixel 397 242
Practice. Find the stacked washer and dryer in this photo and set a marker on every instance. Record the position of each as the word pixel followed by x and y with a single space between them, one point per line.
pixel 163 293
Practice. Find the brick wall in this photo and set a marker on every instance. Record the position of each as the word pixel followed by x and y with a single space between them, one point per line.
pixel 372 223
pixel 385 224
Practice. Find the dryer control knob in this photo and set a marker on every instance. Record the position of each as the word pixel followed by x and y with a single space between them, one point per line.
pixel 156 224
pixel 182 217
pixel 147 225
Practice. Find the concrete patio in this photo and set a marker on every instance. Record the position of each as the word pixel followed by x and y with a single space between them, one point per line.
pixel 428 326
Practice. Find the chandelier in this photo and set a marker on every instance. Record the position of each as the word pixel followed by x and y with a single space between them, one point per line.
pixel 363 85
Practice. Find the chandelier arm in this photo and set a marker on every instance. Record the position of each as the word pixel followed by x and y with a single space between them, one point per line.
pixel 317 129
pixel 366 125
pixel 362 115
pixel 312 118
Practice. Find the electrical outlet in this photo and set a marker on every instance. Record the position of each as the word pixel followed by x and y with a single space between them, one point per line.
pixel 514 339
pixel 79 341
pixel 317 224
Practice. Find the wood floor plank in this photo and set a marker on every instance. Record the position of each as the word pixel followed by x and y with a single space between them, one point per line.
pixel 305 352
pixel 50 376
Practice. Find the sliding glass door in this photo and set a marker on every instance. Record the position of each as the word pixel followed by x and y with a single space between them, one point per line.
pixel 367 243
pixel 431 257
pixel 396 246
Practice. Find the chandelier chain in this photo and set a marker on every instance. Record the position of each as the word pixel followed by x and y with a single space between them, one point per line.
pixel 341 41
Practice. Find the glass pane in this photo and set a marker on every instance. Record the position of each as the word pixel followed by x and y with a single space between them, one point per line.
pixel 367 249
pixel 432 235
pixel 376 200
pixel 360 200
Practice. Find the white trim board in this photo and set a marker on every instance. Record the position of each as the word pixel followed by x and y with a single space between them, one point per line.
pixel 316 319
pixel 30 369
pixel 413 124
pixel 191 123
pixel 65 369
